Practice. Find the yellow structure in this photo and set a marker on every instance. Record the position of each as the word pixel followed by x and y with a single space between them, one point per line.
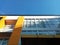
pixel 2 21
pixel 19 22
pixel 15 36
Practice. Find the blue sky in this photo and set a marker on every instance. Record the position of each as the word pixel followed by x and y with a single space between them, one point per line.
pixel 30 7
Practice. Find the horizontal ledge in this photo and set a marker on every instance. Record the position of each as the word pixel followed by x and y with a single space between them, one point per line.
pixel 9 22
pixel 7 35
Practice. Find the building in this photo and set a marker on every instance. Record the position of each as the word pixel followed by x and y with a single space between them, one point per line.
pixel 33 27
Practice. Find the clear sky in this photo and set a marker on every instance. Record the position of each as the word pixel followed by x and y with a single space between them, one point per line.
pixel 30 7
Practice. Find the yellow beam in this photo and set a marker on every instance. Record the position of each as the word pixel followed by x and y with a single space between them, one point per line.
pixel 19 22
pixel 15 36
pixel 2 21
